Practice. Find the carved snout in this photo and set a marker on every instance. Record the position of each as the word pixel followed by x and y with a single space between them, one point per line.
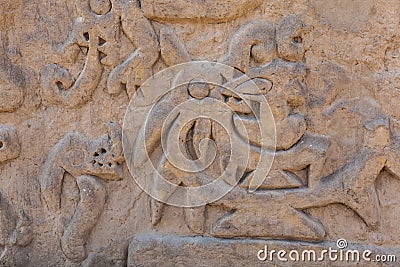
pixel 255 39
pixel 106 155
pixel 289 36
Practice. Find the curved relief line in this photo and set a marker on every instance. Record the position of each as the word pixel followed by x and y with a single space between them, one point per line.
pixel 58 86
pixel 52 174
pixel 15 227
pixel 255 39
pixel 92 200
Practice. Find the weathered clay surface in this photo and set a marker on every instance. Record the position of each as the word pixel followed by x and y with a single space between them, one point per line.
pixel 72 143
pixel 150 250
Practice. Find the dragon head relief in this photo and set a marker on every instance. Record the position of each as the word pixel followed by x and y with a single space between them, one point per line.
pixel 88 161
pixel 105 156
pixel 290 37
pixel 101 157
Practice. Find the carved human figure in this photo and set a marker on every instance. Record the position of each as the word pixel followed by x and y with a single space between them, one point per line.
pixel 87 161
pixel 279 80
pixel 196 90
pixel 262 50
pixel 137 67
pixel 170 112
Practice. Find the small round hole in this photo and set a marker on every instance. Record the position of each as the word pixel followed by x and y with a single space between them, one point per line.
pixel 298 40
pixel 1 144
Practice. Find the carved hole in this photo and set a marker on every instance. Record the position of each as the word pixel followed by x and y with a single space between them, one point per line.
pixel 60 85
pixel 102 55
pixel 100 164
pixel 86 35
pixel 298 40
pixel 123 87
pixel 246 175
pixel 110 165
pixel 101 41
pixel 1 145
pixel 103 151
pixel 96 154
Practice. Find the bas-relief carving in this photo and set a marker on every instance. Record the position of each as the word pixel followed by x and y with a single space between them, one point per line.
pixel 280 75
pixel 272 55
pixel 15 230
pixel 88 161
pixel 58 86
pixel 98 29
pixel 295 182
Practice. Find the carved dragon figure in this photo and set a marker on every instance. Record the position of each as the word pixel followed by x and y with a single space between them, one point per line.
pixel 87 161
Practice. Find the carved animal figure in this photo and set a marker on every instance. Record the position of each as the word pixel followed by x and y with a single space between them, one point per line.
pixel 137 67
pixel 352 185
pixel 87 161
